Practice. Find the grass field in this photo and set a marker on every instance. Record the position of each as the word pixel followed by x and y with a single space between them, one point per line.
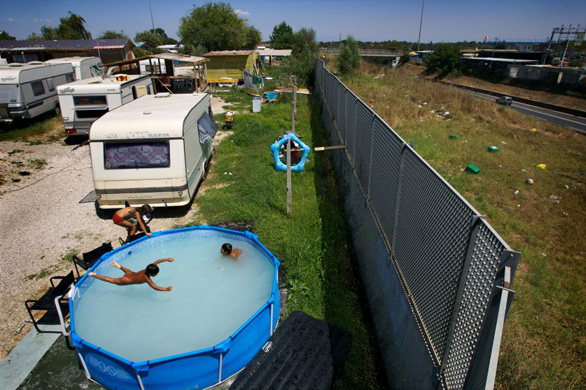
pixel 544 344
pixel 311 242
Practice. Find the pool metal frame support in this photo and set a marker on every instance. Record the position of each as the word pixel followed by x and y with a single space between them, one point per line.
pixel 64 331
pixel 85 370
pixel 139 381
pixel 220 367
pixel 271 323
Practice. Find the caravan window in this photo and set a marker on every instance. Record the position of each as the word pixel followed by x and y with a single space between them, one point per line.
pixel 207 128
pixel 38 88
pixel 127 155
pixel 99 100
pixel 50 85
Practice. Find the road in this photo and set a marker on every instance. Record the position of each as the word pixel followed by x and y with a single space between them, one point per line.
pixel 566 120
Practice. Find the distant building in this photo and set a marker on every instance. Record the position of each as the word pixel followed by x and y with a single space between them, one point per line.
pixel 109 50
pixel 269 56
pixel 230 64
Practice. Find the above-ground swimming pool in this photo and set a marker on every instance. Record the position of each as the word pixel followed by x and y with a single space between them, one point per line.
pixel 219 314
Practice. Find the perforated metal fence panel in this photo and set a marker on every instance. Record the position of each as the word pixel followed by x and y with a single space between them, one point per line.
pixel 445 292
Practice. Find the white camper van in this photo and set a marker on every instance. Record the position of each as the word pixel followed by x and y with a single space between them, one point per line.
pixel 84 67
pixel 29 90
pixel 84 101
pixel 154 150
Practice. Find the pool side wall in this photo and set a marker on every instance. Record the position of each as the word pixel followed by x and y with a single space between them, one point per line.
pixel 198 369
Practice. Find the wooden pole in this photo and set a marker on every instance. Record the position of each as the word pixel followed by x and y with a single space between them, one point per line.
pixel 293 115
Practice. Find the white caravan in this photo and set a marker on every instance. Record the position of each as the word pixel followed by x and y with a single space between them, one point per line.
pixel 84 67
pixel 29 90
pixel 84 101
pixel 155 150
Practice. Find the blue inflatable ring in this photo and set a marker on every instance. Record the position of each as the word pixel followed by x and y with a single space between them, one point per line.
pixel 276 147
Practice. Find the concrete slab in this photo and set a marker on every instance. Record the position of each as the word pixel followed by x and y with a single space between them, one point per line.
pixel 24 357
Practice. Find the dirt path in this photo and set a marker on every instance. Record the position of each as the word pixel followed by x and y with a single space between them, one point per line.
pixel 42 221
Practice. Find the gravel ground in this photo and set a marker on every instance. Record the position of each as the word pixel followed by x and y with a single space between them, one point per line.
pixel 41 221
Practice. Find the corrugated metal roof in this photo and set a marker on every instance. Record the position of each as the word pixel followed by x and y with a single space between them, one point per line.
pixel 229 53
pixel 65 45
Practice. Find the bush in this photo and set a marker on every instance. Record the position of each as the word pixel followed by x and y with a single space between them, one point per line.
pixel 349 57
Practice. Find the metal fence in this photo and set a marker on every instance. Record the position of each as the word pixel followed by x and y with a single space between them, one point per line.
pixel 436 274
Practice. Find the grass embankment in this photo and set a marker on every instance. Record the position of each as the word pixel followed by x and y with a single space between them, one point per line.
pixel 544 345
pixel 313 242
pixel 44 129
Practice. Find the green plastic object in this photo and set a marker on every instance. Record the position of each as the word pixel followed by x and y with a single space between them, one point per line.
pixel 472 168
pixel 493 148
pixel 454 136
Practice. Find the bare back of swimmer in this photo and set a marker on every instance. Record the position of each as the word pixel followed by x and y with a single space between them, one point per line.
pixel 131 277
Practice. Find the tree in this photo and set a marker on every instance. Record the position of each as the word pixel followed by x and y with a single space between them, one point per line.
pixel 215 26
pixel 282 36
pixel 304 48
pixel 71 27
pixel 35 37
pixel 445 59
pixel 111 34
pixel 253 37
pixel 4 36
pixel 349 57
pixel 148 37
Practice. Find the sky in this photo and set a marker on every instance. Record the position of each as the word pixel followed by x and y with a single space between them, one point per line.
pixel 368 20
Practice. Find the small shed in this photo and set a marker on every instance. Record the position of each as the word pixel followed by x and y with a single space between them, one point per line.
pixel 230 64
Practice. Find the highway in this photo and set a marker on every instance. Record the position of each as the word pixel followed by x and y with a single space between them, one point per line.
pixel 566 120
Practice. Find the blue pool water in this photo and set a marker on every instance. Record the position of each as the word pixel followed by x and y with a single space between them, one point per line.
pixel 215 301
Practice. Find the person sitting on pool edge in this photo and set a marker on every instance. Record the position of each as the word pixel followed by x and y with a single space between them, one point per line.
pixel 124 216
pixel 131 277
pixel 227 250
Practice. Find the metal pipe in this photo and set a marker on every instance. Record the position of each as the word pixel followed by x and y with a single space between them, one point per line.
pixel 220 368
pixel 85 370
pixel 139 381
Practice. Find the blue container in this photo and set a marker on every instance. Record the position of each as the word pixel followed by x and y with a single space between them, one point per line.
pixel 198 369
pixel 271 95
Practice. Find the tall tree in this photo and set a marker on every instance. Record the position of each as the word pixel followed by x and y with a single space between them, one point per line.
pixel 282 36
pixel 148 37
pixel 4 36
pixel 215 26
pixel 111 34
pixel 304 49
pixel 253 37
pixel 70 27
pixel 73 27
pixel 349 57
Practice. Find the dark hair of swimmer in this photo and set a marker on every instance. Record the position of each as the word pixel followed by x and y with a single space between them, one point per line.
pixel 227 248
pixel 146 209
pixel 151 270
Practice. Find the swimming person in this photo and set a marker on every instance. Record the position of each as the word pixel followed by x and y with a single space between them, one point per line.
pixel 227 250
pixel 131 277
pixel 126 216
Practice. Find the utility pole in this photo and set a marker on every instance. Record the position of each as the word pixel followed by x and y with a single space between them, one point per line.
pixel 420 24
pixel 152 19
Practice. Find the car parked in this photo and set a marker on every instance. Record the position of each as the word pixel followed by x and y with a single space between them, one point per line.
pixel 505 100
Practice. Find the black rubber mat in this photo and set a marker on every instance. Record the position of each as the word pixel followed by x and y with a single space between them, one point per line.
pixel 303 353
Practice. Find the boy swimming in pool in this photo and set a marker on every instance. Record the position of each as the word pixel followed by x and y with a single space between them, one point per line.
pixel 227 250
pixel 131 277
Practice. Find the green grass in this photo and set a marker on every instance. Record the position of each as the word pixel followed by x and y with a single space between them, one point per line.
pixel 36 131
pixel 544 343
pixel 312 242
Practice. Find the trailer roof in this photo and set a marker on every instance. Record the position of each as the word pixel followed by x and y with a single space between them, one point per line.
pixel 98 83
pixel 151 117
pixel 9 73
pixel 71 60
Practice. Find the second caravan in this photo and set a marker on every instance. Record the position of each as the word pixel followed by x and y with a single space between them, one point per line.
pixel 154 150
pixel 84 101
